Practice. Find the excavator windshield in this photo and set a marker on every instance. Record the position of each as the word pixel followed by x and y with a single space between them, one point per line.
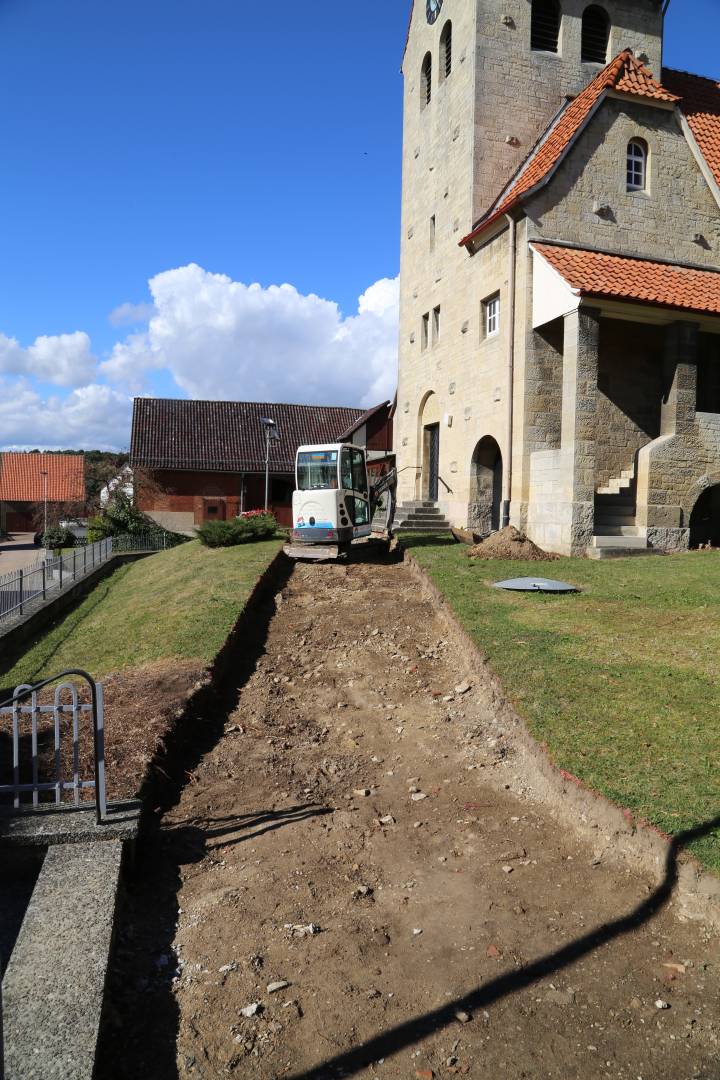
pixel 317 470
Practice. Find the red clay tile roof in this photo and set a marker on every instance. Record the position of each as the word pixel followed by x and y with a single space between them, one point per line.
pixel 625 74
pixel 21 478
pixel 701 107
pixel 617 277
pixel 227 436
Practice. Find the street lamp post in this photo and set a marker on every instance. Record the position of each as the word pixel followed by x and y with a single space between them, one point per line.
pixel 271 435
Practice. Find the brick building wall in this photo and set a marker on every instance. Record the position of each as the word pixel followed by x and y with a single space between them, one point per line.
pixel 181 500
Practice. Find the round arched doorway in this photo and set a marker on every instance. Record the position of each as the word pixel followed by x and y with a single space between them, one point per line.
pixel 705 519
pixel 429 447
pixel 486 481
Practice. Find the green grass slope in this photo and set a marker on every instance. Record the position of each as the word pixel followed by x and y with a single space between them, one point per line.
pixel 181 603
pixel 620 681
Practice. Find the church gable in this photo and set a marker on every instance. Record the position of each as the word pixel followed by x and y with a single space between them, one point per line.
pixel 630 183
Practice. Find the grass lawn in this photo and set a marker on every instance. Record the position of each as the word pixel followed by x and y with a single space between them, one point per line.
pixel 621 680
pixel 180 603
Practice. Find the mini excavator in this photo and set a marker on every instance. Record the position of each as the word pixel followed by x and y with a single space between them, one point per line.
pixel 336 502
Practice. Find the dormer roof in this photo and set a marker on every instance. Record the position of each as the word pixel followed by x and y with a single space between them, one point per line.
pixel 625 75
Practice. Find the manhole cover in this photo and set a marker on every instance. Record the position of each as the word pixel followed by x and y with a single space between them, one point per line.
pixel 535 584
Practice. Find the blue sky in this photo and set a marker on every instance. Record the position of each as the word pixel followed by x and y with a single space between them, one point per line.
pixel 259 141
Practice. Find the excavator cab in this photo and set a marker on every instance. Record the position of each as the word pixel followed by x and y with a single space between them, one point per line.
pixel 331 502
pixel 334 500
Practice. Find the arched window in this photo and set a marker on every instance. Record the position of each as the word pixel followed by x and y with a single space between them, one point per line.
pixel 426 82
pixel 446 51
pixel 595 35
pixel 637 158
pixel 545 26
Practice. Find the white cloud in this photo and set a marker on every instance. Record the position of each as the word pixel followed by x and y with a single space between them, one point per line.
pixel 222 339
pixel 131 314
pixel 63 359
pixel 217 338
pixel 90 417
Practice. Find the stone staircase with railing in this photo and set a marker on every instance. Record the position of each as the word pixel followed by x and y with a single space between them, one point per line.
pixel 616 532
pixel 421 517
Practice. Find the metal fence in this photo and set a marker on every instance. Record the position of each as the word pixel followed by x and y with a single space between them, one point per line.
pixel 65 775
pixel 49 576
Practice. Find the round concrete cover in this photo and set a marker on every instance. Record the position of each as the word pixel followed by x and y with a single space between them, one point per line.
pixel 531 584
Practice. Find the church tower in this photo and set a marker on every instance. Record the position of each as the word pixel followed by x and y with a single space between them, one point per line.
pixel 482 81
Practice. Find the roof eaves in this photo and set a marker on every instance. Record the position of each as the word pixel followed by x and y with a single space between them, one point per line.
pixel 700 158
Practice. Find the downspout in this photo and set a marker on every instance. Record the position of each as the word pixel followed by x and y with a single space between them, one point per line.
pixel 507 471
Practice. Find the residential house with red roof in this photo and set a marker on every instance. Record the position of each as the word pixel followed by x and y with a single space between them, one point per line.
pixel 197 461
pixel 560 276
pixel 29 480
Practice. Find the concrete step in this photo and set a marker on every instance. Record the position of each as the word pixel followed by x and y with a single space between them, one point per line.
pixel 620 552
pixel 613 502
pixel 615 540
pixel 611 529
pixel 615 487
pixel 617 517
pixel 613 520
pixel 402 527
pixel 53 988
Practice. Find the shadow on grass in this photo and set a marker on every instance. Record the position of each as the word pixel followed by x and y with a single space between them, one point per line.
pixel 414 1031
pixel 141 1017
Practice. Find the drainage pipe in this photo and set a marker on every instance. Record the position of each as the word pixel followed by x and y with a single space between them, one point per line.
pixel 508 470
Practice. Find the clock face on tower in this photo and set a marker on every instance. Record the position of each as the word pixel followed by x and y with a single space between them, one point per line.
pixel 433 10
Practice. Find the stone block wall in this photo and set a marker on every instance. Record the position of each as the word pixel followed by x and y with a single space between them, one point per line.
pixel 550 511
pixel 520 90
pixel 629 393
pixel 661 223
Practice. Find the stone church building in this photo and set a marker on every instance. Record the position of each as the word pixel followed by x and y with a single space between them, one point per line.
pixel 560 276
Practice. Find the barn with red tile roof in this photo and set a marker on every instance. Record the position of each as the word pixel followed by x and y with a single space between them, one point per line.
pixel 205 460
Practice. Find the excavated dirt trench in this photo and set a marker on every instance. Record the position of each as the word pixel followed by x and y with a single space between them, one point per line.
pixel 366 832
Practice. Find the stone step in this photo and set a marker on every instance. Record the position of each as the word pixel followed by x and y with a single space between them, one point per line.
pixel 409 525
pixel 628 474
pixel 427 519
pixel 615 506
pixel 414 505
pixel 608 529
pixel 613 521
pixel 615 487
pixel 620 552
pixel 617 539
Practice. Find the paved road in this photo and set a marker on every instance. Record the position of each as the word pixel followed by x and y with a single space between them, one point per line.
pixel 18 552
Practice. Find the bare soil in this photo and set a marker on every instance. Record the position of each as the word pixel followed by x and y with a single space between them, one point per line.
pixel 509 543
pixel 364 832
pixel 141 706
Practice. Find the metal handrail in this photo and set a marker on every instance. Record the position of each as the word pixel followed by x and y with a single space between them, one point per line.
pixel 96 705
pixel 54 574
pixel 446 486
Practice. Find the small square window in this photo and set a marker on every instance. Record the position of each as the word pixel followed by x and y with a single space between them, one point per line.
pixel 436 325
pixel 425 334
pixel 492 316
